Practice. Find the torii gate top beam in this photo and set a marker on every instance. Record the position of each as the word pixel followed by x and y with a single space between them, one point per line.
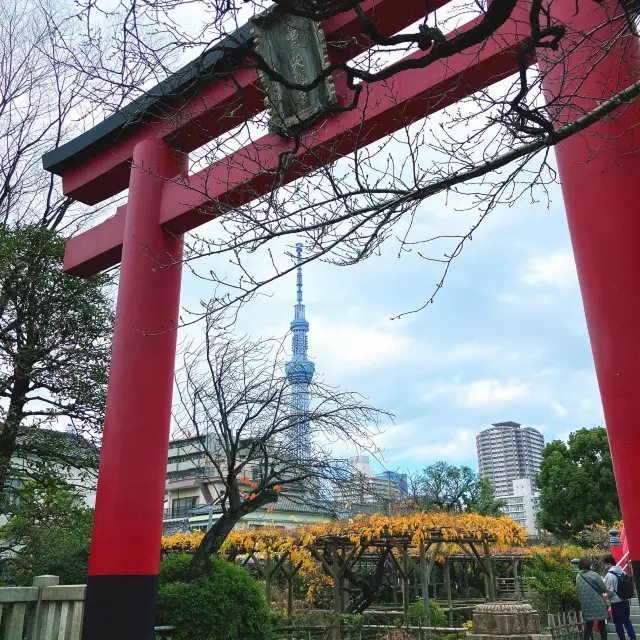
pixel 248 173
pixel 200 102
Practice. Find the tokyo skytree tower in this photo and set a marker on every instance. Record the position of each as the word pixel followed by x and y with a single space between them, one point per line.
pixel 300 371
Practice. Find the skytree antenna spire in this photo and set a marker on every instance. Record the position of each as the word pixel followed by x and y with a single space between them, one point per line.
pixel 299 252
pixel 300 369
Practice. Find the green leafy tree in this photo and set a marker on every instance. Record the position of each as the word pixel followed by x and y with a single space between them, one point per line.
pixel 55 341
pixel 446 487
pixel 577 485
pixel 49 533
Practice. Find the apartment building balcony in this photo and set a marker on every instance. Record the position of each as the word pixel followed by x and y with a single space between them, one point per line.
pixel 177 513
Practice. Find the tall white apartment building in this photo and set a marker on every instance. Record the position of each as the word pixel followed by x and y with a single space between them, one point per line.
pixel 507 452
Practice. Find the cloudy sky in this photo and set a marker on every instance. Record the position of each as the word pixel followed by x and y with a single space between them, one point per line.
pixel 505 339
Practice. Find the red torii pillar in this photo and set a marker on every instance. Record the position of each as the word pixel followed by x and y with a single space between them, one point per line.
pixel 147 232
pixel 598 171
pixel 124 561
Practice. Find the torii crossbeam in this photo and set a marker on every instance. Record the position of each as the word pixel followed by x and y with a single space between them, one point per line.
pixel 145 152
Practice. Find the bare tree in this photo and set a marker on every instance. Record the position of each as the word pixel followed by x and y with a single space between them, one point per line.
pixel 44 102
pixel 490 149
pixel 235 396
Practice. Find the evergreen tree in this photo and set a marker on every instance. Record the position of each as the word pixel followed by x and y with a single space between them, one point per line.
pixel 576 482
pixel 55 342
pixel 446 487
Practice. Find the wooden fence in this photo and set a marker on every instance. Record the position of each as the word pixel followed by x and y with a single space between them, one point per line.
pixel 47 611
pixel 44 611
pixel 565 626
pixel 366 632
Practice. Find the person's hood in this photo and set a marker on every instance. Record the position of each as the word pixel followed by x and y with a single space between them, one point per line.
pixel 617 570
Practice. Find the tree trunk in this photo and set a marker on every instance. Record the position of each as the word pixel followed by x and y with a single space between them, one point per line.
pixel 215 537
pixel 369 591
pixel 210 545
pixel 9 432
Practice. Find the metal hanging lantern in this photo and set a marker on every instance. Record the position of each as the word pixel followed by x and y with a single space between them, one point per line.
pixel 294 48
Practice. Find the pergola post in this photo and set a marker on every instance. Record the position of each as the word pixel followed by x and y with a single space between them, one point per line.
pixel 424 578
pixel 394 584
pixel 290 575
pixel 465 578
pixel 489 579
pixel 267 578
pixel 405 582
pixel 447 582
pixel 517 590
pixel 337 600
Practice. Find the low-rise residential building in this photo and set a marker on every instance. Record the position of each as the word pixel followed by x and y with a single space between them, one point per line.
pixel 65 454
pixel 194 489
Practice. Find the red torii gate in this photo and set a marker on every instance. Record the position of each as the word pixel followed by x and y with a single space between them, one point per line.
pixel 145 153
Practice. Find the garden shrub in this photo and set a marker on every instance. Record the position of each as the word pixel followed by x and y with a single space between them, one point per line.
pixel 554 583
pixel 416 613
pixel 224 604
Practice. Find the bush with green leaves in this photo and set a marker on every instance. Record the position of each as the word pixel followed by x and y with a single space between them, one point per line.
pixel 225 603
pixel 437 616
pixel 554 581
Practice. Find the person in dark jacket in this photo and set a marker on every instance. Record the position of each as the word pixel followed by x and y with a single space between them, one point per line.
pixel 620 609
pixel 592 590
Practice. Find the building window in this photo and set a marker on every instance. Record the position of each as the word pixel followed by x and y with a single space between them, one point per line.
pixel 198 455
pixel 193 472
pixel 180 507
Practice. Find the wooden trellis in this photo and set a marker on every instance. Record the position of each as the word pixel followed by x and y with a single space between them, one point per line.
pixel 339 555
pixel 359 555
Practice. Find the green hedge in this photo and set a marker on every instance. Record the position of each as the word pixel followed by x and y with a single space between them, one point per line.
pixel 225 604
pixel 437 617
pixel 554 582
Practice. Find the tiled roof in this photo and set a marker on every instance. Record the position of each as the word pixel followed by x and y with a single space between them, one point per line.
pixel 183 484
pixel 62 444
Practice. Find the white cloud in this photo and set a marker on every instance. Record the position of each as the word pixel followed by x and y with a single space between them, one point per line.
pixel 480 393
pixel 542 428
pixel 528 302
pixel 355 347
pixel 422 443
pixel 466 351
pixel 557 269
pixel 494 392
pixel 559 410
